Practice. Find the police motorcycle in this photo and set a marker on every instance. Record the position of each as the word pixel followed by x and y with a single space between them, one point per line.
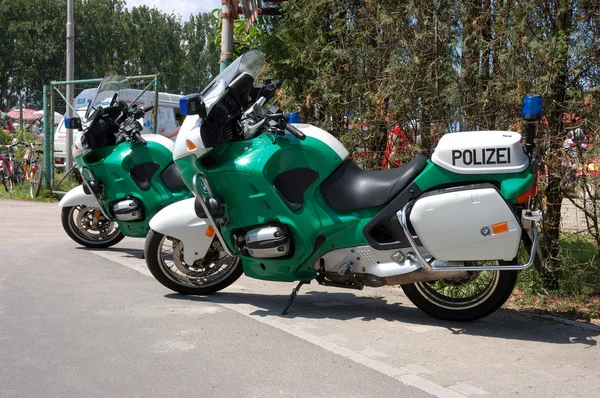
pixel 127 176
pixel 284 202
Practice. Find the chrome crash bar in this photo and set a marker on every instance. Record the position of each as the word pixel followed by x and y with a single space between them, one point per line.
pixel 429 266
pixel 87 185
pixel 208 215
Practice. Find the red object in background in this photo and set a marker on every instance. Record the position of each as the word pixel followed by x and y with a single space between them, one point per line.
pixel 28 114
pixel 396 141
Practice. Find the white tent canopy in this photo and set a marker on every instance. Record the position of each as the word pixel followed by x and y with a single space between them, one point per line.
pixel 57 116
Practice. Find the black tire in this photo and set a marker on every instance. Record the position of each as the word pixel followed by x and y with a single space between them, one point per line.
pixel 71 229
pixel 153 245
pixel 19 174
pixel 503 286
pixel 36 181
pixel 9 183
pixel 3 179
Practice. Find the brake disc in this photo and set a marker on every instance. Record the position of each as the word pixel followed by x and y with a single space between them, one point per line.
pixel 87 221
pixel 200 268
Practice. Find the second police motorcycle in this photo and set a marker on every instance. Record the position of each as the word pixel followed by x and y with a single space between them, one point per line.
pixel 127 176
pixel 284 202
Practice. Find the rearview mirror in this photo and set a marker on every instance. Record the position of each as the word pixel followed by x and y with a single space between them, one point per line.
pixel 193 105
pixel 73 123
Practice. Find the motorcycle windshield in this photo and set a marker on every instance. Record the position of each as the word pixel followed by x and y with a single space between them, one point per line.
pixel 251 62
pixel 108 87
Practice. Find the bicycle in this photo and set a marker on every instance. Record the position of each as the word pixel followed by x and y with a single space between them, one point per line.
pixel 9 167
pixel 32 167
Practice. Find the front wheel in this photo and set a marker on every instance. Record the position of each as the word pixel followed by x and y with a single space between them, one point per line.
pixel 35 180
pixel 87 226
pixel 8 182
pixel 214 272
pixel 464 299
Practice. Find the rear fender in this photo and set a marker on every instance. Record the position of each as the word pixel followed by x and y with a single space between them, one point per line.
pixel 77 197
pixel 179 220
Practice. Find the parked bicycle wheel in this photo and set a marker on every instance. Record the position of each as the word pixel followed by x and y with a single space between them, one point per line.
pixel 3 180
pixel 8 182
pixel 35 179
pixel 19 175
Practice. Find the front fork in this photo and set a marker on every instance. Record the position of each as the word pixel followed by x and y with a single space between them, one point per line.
pixel 208 214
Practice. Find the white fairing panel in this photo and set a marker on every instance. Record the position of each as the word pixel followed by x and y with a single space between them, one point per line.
pixel 77 197
pixel 323 136
pixel 179 220
pixel 451 225
pixel 190 130
pixel 160 139
pixel 481 152
pixel 78 149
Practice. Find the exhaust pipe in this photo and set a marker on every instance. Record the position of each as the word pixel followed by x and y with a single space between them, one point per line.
pixel 420 275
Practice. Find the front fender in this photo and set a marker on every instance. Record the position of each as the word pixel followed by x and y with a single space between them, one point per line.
pixel 76 197
pixel 179 220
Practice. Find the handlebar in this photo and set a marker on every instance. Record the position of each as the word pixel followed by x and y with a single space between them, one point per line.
pixel 138 137
pixel 295 132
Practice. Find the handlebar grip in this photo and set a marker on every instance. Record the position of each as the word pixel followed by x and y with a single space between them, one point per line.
pixel 138 137
pixel 148 108
pixel 295 132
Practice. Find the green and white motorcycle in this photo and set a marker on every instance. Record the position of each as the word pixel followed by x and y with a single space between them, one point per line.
pixel 127 176
pixel 284 202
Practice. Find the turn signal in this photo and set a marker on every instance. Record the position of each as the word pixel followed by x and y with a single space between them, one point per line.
pixel 524 197
pixel 190 145
pixel 76 147
pixel 500 227
pixel 210 231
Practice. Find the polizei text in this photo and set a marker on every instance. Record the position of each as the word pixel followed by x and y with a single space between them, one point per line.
pixel 472 157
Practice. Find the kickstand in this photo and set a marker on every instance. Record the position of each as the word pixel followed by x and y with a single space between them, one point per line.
pixel 293 296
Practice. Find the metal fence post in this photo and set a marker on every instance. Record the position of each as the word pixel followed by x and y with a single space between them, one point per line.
pixel 48 136
pixel 155 113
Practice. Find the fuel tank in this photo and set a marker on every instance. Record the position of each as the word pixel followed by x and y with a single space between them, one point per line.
pixel 481 152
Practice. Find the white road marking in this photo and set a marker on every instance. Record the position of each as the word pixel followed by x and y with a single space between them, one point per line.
pixel 124 259
pixel 405 376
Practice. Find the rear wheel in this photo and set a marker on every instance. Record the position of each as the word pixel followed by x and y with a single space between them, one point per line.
pixel 214 272
pixel 35 180
pixel 85 226
pixel 464 299
pixel 19 175
pixel 8 182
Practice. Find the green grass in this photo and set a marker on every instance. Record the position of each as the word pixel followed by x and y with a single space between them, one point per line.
pixel 21 192
pixel 579 273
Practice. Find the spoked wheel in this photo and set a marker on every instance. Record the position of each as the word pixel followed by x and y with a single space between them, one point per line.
pixel 214 272
pixel 463 299
pixel 3 179
pixel 87 226
pixel 19 175
pixel 8 182
pixel 35 180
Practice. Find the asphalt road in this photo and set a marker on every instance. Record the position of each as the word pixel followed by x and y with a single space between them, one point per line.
pixel 79 322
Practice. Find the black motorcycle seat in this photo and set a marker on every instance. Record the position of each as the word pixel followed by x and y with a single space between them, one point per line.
pixel 352 188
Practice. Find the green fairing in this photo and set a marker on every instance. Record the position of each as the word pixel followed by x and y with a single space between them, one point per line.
pixel 112 165
pixel 511 184
pixel 243 178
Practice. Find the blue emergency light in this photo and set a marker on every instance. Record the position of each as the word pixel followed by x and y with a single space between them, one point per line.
pixel 532 107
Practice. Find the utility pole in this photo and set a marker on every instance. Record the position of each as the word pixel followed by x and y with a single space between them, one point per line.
pixel 70 77
pixel 228 12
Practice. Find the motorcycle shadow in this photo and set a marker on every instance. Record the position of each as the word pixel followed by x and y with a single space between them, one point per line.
pixel 126 252
pixel 342 306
